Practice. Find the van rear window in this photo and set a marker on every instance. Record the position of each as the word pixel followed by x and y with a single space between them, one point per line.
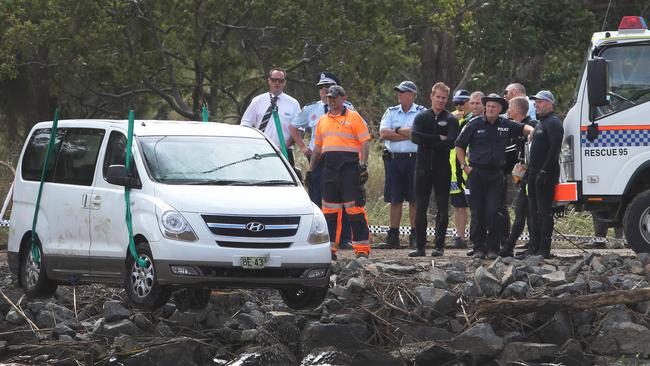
pixel 32 165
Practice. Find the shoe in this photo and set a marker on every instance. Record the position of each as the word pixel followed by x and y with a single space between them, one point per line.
pixel 418 253
pixel 594 245
pixel 392 240
pixel 522 246
pixel 458 243
pixel 361 255
pixel 437 252
pixel 525 254
pixel 492 255
pixel 506 253
pixel 545 255
pixel 479 254
pixel 388 246
pixel 412 241
pixel 470 253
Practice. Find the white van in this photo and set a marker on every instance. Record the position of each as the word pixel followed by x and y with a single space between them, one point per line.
pixel 213 205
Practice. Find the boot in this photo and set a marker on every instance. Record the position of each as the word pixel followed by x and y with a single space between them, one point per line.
pixel 392 240
pixel 458 243
pixel 412 239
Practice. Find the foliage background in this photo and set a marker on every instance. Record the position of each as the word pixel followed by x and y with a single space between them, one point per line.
pixel 165 58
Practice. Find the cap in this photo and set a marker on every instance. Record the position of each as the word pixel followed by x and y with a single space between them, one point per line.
pixel 493 97
pixel 544 95
pixel 407 86
pixel 460 96
pixel 327 78
pixel 336 91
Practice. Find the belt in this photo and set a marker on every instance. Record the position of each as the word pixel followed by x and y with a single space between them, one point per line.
pixel 392 155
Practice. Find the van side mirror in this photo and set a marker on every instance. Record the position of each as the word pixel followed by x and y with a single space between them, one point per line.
pixel 117 174
pixel 597 82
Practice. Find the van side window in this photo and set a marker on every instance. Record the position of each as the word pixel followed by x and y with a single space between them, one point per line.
pixel 32 165
pixel 116 152
pixel 77 156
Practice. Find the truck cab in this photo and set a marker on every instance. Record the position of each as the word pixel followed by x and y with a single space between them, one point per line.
pixel 605 159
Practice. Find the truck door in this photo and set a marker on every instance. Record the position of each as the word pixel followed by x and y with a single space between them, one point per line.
pixel 620 148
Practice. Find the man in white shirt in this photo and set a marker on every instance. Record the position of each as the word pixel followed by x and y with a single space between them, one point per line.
pixel 259 112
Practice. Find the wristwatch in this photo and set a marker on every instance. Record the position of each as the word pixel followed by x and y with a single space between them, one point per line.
pixel 463 166
pixel 397 129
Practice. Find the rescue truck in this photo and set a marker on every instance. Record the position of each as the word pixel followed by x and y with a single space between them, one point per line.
pixel 605 158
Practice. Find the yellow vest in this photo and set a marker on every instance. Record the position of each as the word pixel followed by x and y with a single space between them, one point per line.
pixel 455 186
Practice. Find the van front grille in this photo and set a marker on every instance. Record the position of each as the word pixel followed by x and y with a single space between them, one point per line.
pixel 253 226
pixel 242 244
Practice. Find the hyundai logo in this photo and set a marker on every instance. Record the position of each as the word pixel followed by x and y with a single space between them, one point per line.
pixel 255 227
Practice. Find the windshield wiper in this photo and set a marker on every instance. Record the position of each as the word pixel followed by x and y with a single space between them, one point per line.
pixel 218 182
pixel 273 182
pixel 254 157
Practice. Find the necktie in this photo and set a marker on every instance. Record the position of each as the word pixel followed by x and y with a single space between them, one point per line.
pixel 269 112
pixel 326 107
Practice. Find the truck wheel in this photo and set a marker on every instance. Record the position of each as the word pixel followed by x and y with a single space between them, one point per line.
pixel 303 297
pixel 192 298
pixel 636 223
pixel 141 283
pixel 33 278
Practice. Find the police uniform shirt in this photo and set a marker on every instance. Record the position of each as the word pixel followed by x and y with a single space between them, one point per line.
pixel 396 117
pixel 308 117
pixel 288 108
pixel 488 141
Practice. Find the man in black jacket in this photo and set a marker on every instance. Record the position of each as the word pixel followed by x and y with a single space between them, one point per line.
pixel 543 173
pixel 487 137
pixel 434 131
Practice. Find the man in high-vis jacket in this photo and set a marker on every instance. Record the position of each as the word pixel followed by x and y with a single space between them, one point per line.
pixel 343 143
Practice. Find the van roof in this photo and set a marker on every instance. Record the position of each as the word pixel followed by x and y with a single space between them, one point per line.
pixel 157 128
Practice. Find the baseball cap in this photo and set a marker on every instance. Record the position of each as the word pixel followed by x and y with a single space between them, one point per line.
pixel 327 78
pixel 544 95
pixel 336 91
pixel 407 86
pixel 460 96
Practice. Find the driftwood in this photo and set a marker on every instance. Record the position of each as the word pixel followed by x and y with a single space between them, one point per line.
pixel 552 304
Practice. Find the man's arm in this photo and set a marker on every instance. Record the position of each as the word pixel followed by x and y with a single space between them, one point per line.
pixel 365 151
pixel 460 156
pixel 555 134
pixel 391 135
pixel 295 135
pixel 315 157
pixel 452 134
pixel 248 118
pixel 418 136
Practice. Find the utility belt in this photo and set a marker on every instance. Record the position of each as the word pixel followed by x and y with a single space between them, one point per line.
pixel 389 155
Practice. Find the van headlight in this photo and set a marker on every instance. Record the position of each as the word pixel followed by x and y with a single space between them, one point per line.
pixel 174 226
pixel 318 233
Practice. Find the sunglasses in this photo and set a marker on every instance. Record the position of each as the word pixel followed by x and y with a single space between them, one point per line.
pixel 325 86
pixel 276 80
pixel 459 103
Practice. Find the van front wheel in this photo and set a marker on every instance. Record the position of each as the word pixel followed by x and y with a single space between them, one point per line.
pixel 636 223
pixel 303 297
pixel 33 278
pixel 141 283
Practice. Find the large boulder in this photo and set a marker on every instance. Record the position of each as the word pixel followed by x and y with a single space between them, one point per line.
pixel 345 337
pixel 528 352
pixel 435 302
pixel 480 340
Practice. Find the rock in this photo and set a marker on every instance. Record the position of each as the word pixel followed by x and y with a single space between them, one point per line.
pixel 395 268
pixel 13 317
pixel 575 287
pixel 347 318
pixel 437 277
pixel 622 338
pixel 249 335
pixel 559 330
pixel 182 319
pixel 644 258
pixel 279 330
pixel 341 292
pixel 530 352
pixel 508 275
pixel 642 307
pixel 53 314
pixel 470 289
pixel 177 351
pixel 577 266
pixel 142 322
pixel 435 302
pixel 598 265
pixel 374 357
pixel 283 316
pixel 426 353
pixel 488 282
pixel 118 328
pixel 534 260
pixel 571 354
pixel 422 333
pixel 62 329
pixel 556 278
pixel 325 356
pixel 456 277
pixel 163 330
pixel 272 355
pixel 114 310
pixel 124 343
pixel 517 290
pixel 66 338
pixel 250 320
pixel 345 337
pixel 596 286
pixel 480 340
pixel 168 309
pixel 356 284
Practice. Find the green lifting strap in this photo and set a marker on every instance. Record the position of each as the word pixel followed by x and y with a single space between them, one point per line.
pixel 204 113
pixel 278 128
pixel 48 154
pixel 127 192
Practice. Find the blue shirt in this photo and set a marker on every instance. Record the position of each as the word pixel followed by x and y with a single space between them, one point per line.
pixel 395 117
pixel 309 116
pixel 532 111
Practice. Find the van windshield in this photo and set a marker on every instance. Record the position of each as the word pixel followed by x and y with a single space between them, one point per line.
pixel 629 76
pixel 213 160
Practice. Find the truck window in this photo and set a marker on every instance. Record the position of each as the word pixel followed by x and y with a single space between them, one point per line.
pixel 77 156
pixel 116 152
pixel 32 164
pixel 629 77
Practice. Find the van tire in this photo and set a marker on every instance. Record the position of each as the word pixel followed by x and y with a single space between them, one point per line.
pixel 636 223
pixel 299 298
pixel 33 278
pixel 141 283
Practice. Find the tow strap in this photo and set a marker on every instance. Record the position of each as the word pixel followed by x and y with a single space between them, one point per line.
pixel 204 113
pixel 278 128
pixel 48 153
pixel 127 192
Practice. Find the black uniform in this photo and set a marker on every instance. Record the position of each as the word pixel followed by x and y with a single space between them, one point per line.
pixel 543 174
pixel 487 143
pixel 432 169
pixel 520 201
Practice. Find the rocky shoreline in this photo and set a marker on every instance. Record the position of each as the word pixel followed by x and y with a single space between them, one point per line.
pixel 585 310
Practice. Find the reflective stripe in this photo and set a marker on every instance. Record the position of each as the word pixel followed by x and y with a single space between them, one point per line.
pixel 330 148
pixel 355 211
pixel 363 135
pixel 361 242
pixel 349 204
pixel 339 134
pixel 332 205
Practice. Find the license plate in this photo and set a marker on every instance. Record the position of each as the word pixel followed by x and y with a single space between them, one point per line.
pixel 253 262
